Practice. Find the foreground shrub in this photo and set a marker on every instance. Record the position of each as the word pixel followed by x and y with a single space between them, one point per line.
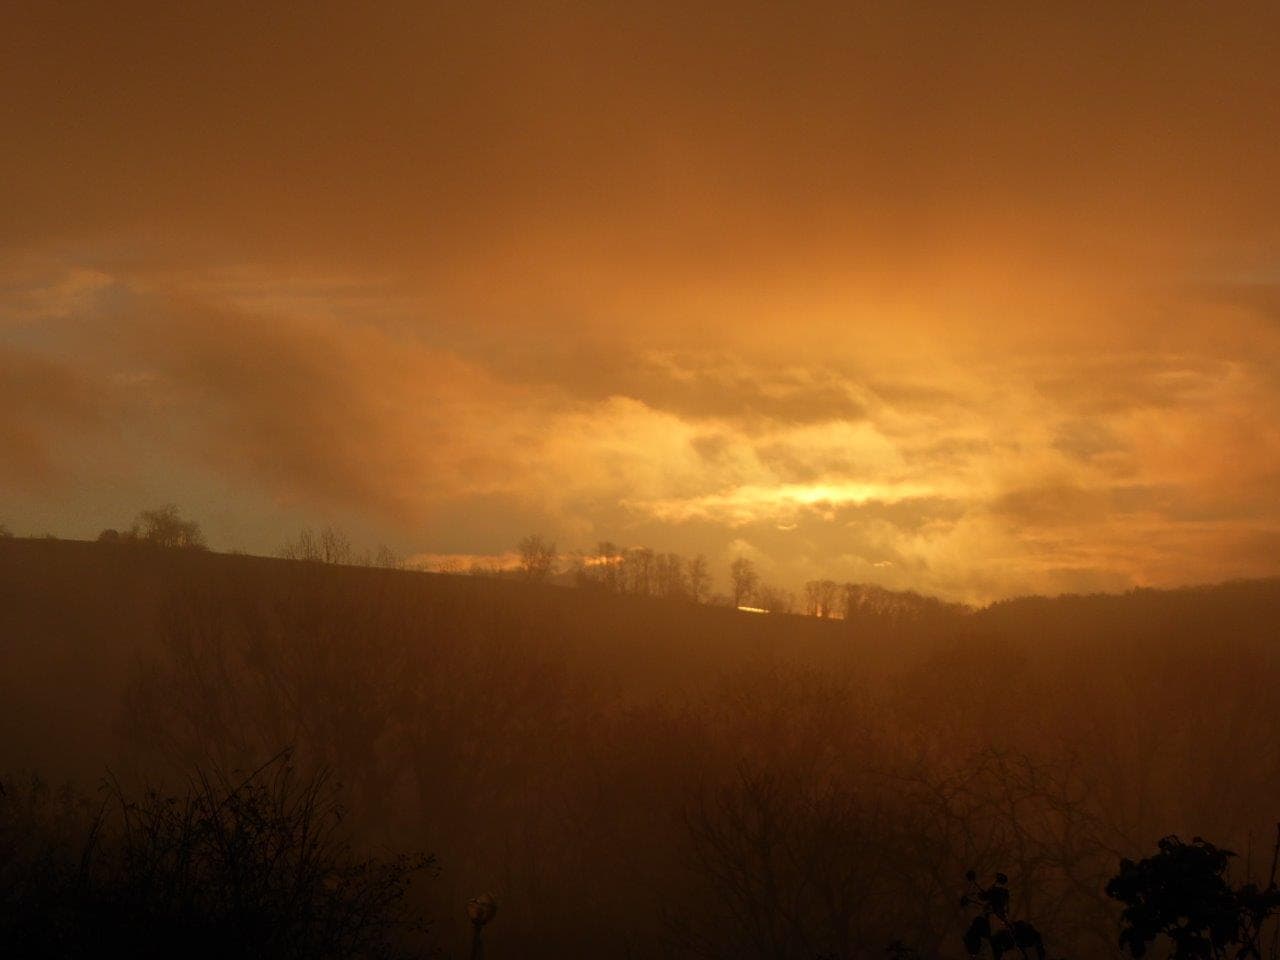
pixel 1183 894
pixel 254 868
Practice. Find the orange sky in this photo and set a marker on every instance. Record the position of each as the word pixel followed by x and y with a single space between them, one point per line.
pixel 975 299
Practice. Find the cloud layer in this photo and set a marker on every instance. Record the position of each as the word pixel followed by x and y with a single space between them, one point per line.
pixel 973 303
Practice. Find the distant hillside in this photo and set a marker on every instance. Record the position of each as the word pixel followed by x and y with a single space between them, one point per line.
pixel 77 617
pixel 564 746
pixel 1238 608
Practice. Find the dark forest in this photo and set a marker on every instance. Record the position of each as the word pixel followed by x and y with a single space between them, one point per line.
pixel 625 776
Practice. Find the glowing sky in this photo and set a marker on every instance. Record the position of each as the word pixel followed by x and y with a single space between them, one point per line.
pixel 975 299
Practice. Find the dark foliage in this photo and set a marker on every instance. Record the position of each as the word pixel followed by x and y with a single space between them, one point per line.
pixel 1183 893
pixel 630 776
pixel 162 527
pixel 993 926
pixel 254 868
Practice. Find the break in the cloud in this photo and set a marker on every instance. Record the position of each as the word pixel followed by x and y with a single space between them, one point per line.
pixel 972 301
pixel 1030 473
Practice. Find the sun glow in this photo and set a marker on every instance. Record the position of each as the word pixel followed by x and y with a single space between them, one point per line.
pixel 754 502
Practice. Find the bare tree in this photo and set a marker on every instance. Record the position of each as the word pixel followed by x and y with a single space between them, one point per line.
pixel 745 580
pixel 319 546
pixel 811 603
pixel 164 527
pixel 607 566
pixel 799 869
pixel 637 571
pixel 670 580
pixel 821 597
pixel 774 599
pixel 249 866
pixel 387 559
pixel 699 578
pixel 537 558
pixel 803 861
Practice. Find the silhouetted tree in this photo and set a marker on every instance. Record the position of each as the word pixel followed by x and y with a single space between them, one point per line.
pixel 326 545
pixel 387 559
pixel 253 866
pixel 637 571
pixel 821 597
pixel 699 579
pixel 606 566
pixel 669 576
pixel 993 926
pixel 537 558
pixel 641 572
pixel 1182 893
pixel 164 527
pixel 774 599
pixel 797 869
pixel 484 568
pixel 744 579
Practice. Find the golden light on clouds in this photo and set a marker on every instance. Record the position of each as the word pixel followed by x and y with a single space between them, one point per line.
pixel 780 503
pixel 974 304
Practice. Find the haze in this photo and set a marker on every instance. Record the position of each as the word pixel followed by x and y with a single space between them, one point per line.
pixel 977 301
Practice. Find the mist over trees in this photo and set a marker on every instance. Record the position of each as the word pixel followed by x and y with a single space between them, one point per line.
pixel 630 776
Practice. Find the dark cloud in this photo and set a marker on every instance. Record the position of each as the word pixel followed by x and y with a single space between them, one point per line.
pixel 711 447
pixel 947 453
pixel 317 411
pixel 721 386
pixel 755 400
pixel 909 516
pixel 1065 504
pixel 1261 296
pixel 1086 439
pixel 1107 385
pixel 567 147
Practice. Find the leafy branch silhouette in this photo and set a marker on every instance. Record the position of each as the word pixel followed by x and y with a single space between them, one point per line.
pixel 993 925
pixel 1182 893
